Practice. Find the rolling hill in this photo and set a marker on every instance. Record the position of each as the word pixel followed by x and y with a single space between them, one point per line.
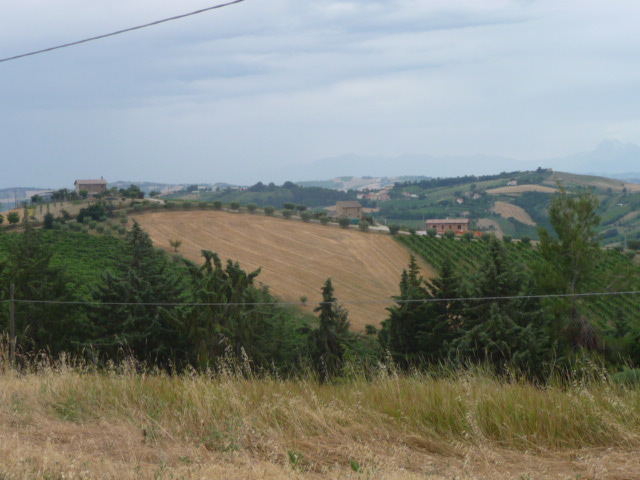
pixel 296 258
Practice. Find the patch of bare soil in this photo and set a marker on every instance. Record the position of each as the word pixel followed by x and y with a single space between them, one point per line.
pixel 509 210
pixel 296 257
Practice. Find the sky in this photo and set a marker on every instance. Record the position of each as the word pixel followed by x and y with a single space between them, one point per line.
pixel 242 93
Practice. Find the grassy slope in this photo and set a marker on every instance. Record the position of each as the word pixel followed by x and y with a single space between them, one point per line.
pixel 70 423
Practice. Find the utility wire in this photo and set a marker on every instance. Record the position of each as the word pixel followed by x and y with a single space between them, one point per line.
pixel 348 302
pixel 138 27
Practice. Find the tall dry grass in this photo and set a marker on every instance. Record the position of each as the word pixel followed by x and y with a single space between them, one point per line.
pixel 65 420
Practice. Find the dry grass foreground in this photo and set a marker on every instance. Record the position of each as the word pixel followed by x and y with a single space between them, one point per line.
pixel 296 257
pixel 63 423
pixel 509 210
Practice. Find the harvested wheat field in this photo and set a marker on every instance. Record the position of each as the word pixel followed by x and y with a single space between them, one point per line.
pixel 509 210
pixel 296 257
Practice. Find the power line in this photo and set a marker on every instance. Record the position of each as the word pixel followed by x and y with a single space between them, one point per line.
pixel 138 27
pixel 348 302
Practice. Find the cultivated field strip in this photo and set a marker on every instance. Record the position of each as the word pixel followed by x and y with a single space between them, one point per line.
pixel 296 257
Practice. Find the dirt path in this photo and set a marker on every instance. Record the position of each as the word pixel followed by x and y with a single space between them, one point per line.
pixel 296 257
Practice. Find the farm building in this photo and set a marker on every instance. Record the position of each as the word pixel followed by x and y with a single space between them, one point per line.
pixel 351 209
pixel 456 225
pixel 94 187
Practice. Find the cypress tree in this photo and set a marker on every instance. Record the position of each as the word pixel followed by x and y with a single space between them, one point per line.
pixel 327 343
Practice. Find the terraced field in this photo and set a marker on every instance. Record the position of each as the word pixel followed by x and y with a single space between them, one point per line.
pixel 296 257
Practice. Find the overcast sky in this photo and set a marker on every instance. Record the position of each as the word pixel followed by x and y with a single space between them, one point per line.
pixel 232 93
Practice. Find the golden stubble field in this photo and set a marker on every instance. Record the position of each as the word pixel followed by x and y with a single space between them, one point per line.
pixel 296 257
pixel 509 210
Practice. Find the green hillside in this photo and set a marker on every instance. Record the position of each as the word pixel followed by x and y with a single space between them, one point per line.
pixel 480 198
pixel 615 272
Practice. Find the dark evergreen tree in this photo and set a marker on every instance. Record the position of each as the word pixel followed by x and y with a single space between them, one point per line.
pixel 130 319
pixel 423 321
pixel 328 342
pixel 501 330
pixel 234 317
pixel 44 318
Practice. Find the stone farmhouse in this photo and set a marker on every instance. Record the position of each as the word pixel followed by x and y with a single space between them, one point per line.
pixel 455 225
pixel 350 209
pixel 94 187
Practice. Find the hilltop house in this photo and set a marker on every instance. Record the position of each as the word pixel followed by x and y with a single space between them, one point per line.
pixel 94 187
pixel 350 209
pixel 456 225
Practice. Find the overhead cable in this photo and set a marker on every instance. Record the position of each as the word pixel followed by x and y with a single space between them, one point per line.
pixel 348 302
pixel 130 29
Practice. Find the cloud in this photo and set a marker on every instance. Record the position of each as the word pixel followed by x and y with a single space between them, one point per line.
pixel 284 81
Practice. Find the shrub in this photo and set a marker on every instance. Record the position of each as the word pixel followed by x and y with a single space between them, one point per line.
pixel 234 205
pixel 633 244
pixel 432 232
pixel 507 238
pixel 217 205
pixel 186 205
pixel 252 207
pixel 99 228
pixel 486 237
pixel 344 222
pixel 48 221
pixel 305 216
pixel 324 219
pixel 269 211
pixel 394 229
pixel 450 234
pixel 203 205
pixel 363 225
pixel 468 236
pixel 92 224
pixel 525 240
pixel 286 213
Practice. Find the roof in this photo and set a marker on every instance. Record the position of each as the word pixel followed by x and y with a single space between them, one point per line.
pixel 100 181
pixel 349 204
pixel 448 220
